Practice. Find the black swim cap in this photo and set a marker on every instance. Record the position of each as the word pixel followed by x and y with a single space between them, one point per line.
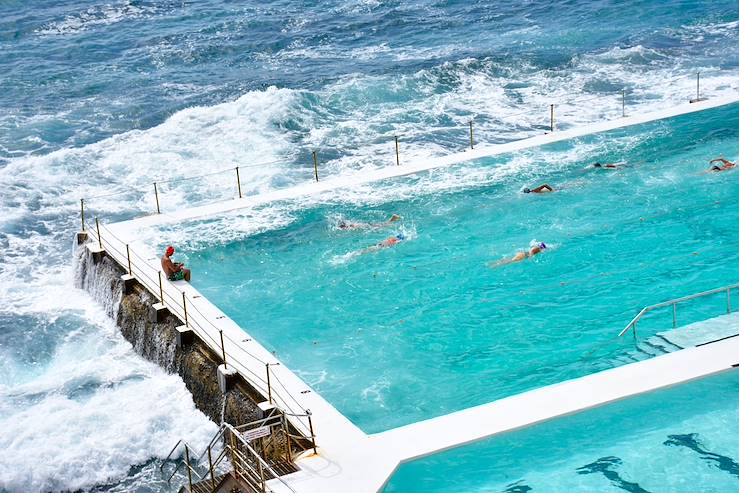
pixel 597 165
pixel 526 190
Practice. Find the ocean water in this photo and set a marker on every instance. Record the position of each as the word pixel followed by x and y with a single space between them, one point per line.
pixel 101 98
pixel 432 325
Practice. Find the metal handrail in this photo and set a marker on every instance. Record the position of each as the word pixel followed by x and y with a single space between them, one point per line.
pixel 674 302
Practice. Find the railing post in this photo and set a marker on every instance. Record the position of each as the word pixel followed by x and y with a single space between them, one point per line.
pixel 82 213
pixel 128 256
pixel 315 164
pixel 397 151
pixel 269 386
pixel 238 181
pixel 674 315
pixel 187 463
pixel 223 349
pixel 472 141
pixel 728 300
pixel 633 330
pixel 184 307
pixel 287 435
pixel 156 197
pixel 97 227
pixel 161 288
pixel 698 87
pixel 551 117
pixel 212 473
pixel 261 476
pixel 312 435
pixel 623 103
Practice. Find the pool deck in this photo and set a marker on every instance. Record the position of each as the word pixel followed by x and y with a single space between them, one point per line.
pixel 349 460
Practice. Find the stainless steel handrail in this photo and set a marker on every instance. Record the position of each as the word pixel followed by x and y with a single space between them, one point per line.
pixel 674 302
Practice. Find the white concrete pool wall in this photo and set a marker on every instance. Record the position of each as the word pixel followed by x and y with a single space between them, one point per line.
pixel 350 460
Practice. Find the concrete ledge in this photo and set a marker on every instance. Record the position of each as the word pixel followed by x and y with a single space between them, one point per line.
pixel 226 377
pixel 97 252
pixel 158 313
pixel 184 336
pixel 266 407
pixel 129 282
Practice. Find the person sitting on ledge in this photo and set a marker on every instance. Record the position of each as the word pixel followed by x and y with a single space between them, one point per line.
pixel 545 188
pixel 725 164
pixel 175 271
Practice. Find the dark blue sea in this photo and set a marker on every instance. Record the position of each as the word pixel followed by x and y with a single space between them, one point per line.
pixel 100 98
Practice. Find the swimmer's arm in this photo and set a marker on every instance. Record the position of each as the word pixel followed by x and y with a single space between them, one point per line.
pixel 720 160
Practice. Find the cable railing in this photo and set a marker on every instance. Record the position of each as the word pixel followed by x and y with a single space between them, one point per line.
pixel 674 303
pixel 191 313
pixel 547 123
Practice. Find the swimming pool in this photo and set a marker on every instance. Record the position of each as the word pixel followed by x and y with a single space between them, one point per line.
pixel 428 326
pixel 679 439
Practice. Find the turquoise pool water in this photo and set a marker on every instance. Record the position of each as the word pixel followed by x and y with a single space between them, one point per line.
pixel 428 326
pixel 675 440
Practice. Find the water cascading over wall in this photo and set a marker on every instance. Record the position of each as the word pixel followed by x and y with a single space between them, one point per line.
pixel 157 342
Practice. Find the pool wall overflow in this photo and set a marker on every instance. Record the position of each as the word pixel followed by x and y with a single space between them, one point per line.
pixel 159 336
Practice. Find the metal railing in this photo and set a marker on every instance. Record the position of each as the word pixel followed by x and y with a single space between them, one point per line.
pixel 673 303
pixel 547 124
pixel 189 311
pixel 247 464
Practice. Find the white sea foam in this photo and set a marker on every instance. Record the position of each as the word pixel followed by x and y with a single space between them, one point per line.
pixel 101 15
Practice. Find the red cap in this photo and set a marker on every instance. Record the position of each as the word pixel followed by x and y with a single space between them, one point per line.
pixel 170 250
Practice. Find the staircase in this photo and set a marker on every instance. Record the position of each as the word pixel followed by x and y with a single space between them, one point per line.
pixel 243 459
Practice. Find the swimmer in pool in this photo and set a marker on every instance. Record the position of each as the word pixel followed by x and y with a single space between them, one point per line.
pixel 545 188
pixel 608 165
pixel 535 249
pixel 347 225
pixel 387 242
pixel 725 164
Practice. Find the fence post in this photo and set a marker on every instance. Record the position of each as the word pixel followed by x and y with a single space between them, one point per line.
pixel 82 212
pixel 238 181
pixel 472 142
pixel 184 307
pixel 728 300
pixel 223 350
pixel 698 87
pixel 212 474
pixel 397 151
pixel 551 117
pixel 156 196
pixel 187 462
pixel 97 227
pixel 623 102
pixel 312 435
pixel 161 289
pixel 269 386
pixel 674 315
pixel 128 256
pixel 315 164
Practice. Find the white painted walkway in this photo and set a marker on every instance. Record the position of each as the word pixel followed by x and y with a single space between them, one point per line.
pixel 349 461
